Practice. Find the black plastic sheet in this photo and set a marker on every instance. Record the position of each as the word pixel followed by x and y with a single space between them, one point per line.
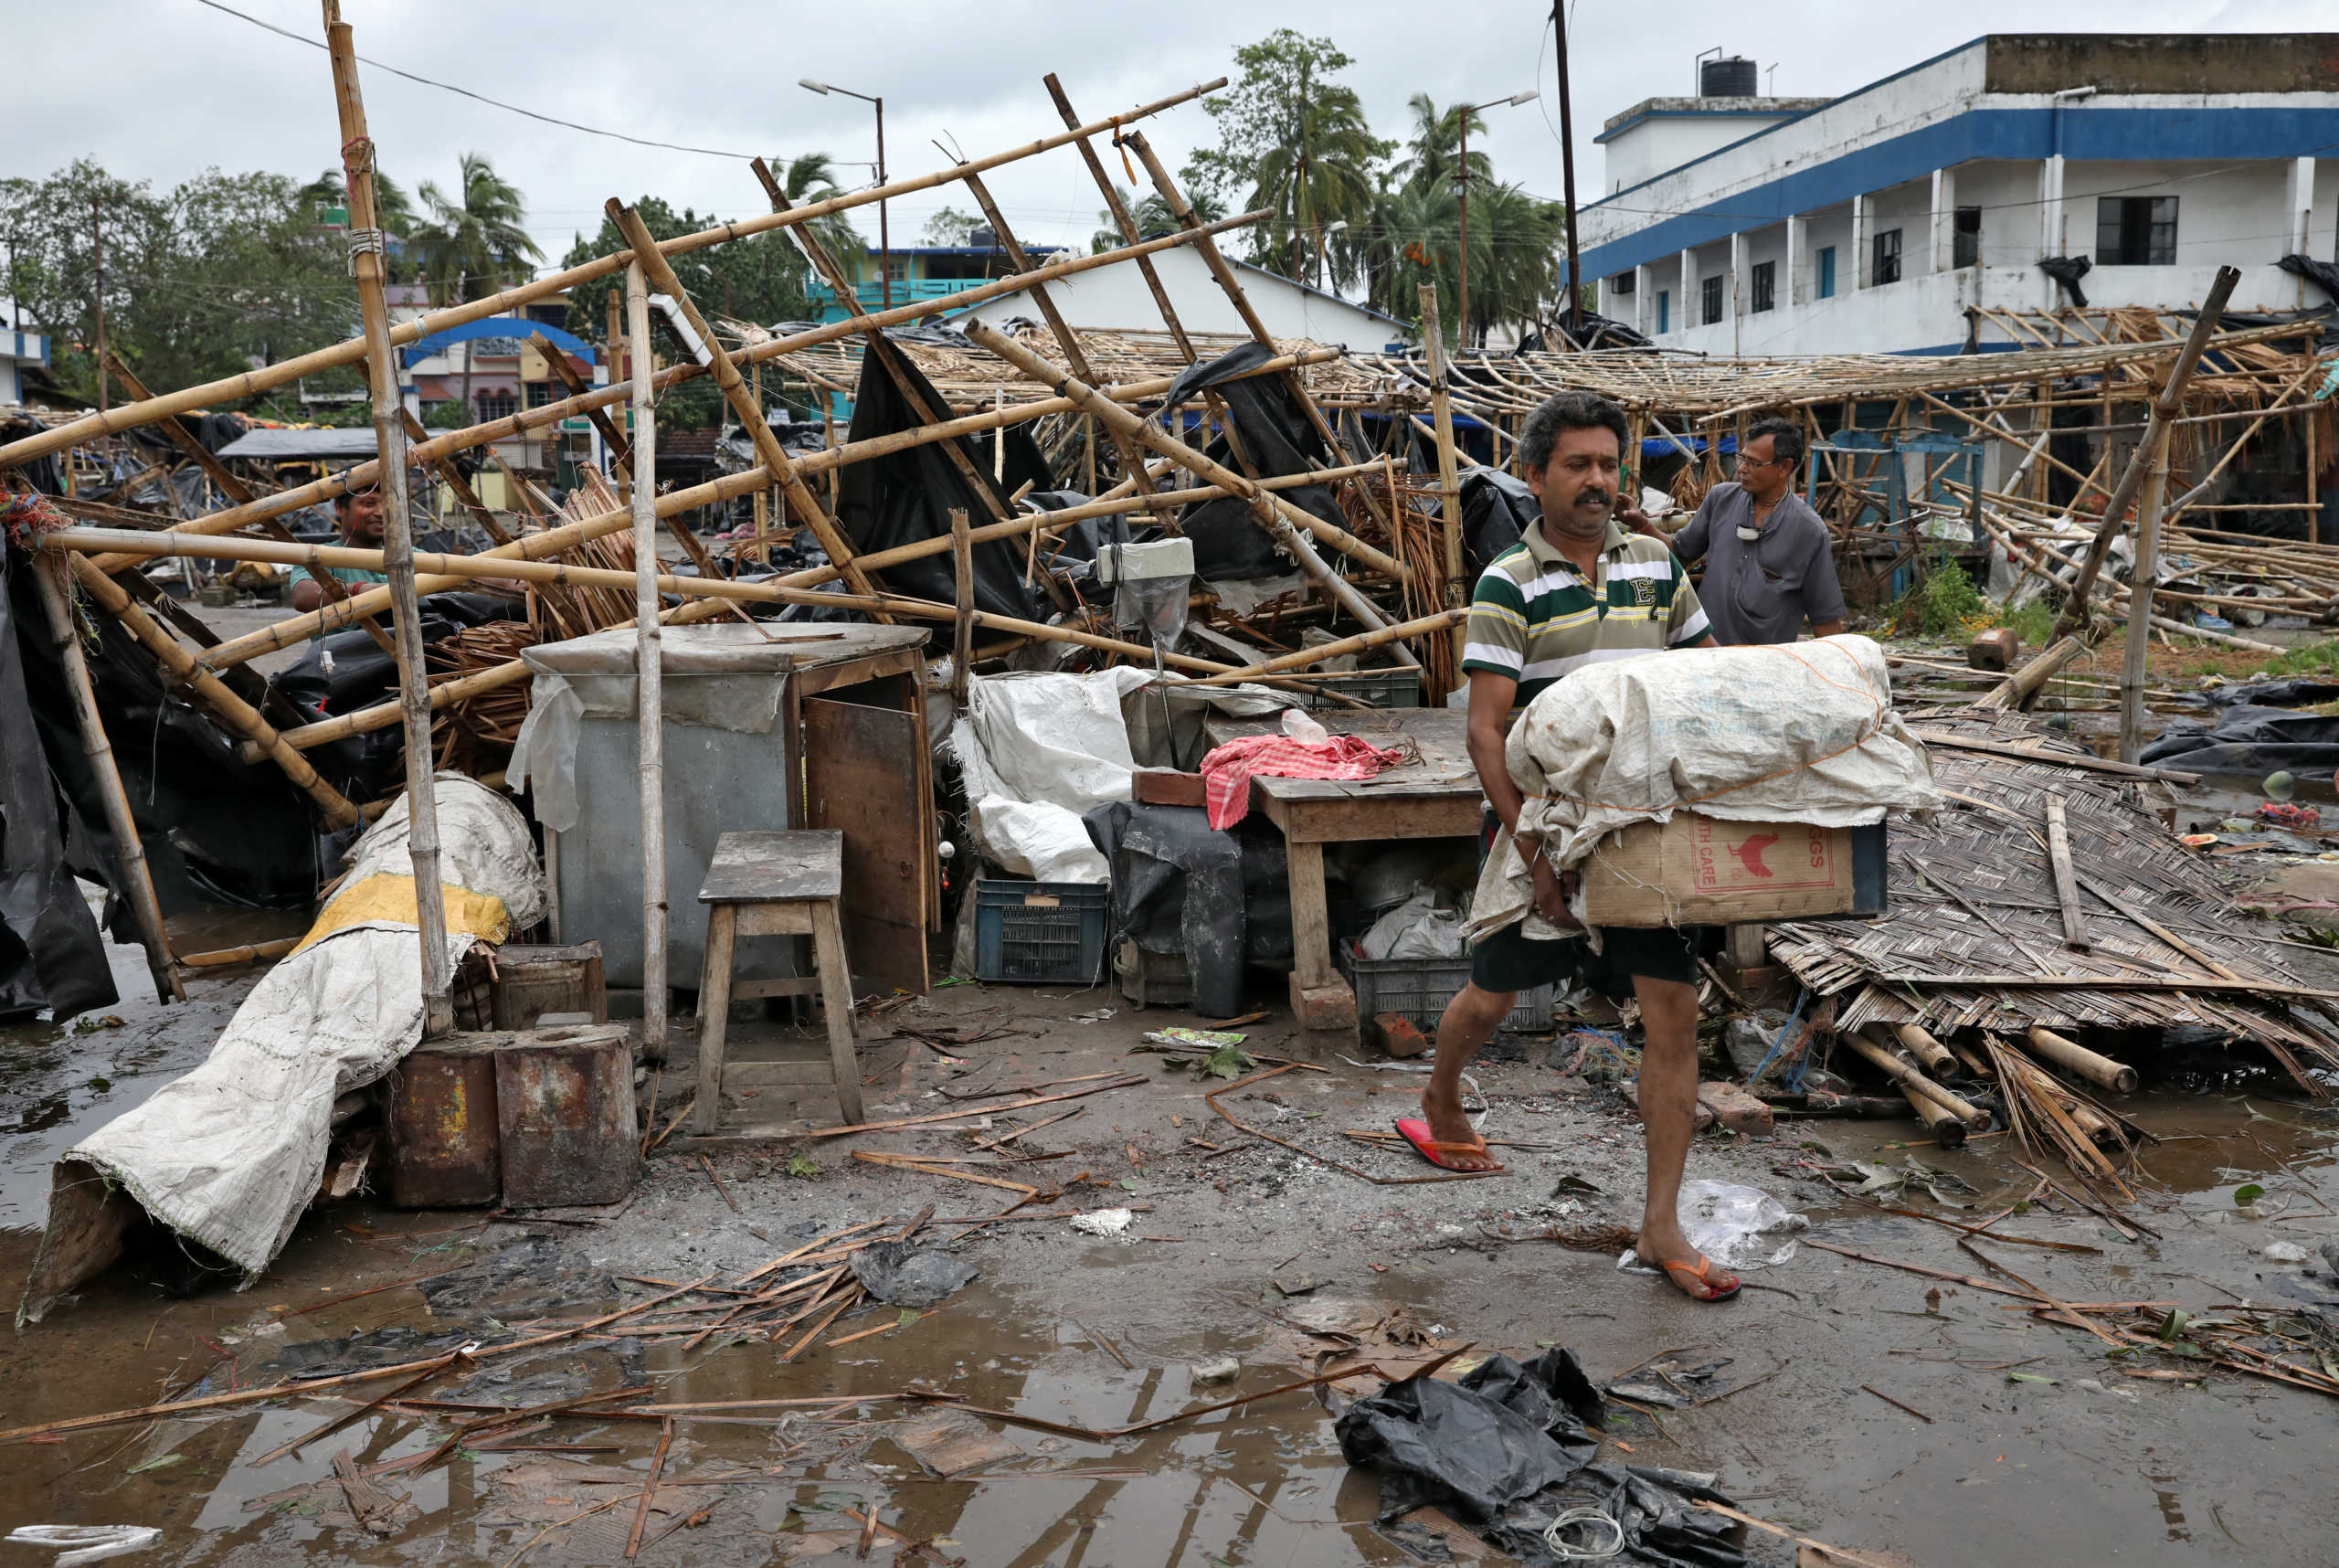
pixel 1278 439
pixel 1221 898
pixel 908 496
pixel 1498 509
pixel 51 954
pixel 900 1274
pixel 1506 1450
pixel 2258 730
pixel 2068 270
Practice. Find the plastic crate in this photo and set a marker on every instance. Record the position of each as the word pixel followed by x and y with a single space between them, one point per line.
pixel 1041 933
pixel 1417 991
pixel 1378 688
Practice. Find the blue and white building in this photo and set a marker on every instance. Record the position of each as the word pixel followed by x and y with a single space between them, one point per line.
pixel 1873 222
pixel 19 350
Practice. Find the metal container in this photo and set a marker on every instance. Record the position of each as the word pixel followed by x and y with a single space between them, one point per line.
pixel 531 982
pixel 564 1111
pixel 441 1119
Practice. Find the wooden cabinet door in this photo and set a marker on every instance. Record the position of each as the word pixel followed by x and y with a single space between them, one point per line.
pixel 865 774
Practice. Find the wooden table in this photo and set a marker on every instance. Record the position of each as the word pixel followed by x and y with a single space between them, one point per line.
pixel 1437 798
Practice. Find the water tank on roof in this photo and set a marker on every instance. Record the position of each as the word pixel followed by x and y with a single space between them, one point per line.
pixel 1734 77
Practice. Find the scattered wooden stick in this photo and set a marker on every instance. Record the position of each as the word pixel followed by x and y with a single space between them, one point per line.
pixel 709 1166
pixel 906 1162
pixel 1897 1405
pixel 650 1484
pixel 1836 1553
pixel 1131 1081
pixel 1210 1099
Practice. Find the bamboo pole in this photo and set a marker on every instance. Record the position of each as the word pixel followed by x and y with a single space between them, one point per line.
pixel 2143 578
pixel 2099 1070
pixel 1346 645
pixel 774 459
pixel 398 532
pixel 1275 512
pixel 129 851
pixel 1890 1065
pixel 649 657
pixel 1947 1130
pixel 1449 485
pixel 1929 1052
pixel 232 710
pixel 349 352
pixel 962 580
pixel 528 419
pixel 2165 407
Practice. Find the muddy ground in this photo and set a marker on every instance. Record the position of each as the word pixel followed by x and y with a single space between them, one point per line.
pixel 2094 1466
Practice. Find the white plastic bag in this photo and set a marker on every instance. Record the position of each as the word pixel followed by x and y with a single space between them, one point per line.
pixel 1417 928
pixel 1044 842
pixel 1741 1228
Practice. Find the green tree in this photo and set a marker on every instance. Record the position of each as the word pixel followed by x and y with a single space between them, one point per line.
pixel 1153 218
pixel 1298 143
pixel 223 272
pixel 393 210
pixel 811 177
pixel 475 241
pixel 950 226
pixel 761 280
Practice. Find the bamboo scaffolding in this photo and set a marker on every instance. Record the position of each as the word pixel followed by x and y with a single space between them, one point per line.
pixel 349 352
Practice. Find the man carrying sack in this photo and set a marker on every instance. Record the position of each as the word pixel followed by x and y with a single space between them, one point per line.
pixel 1576 590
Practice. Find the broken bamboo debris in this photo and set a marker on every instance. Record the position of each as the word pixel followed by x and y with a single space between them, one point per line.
pixel 1938 1119
pixel 2075 1057
pixel 1892 1065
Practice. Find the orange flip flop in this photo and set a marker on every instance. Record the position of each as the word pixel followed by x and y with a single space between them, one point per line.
pixel 1702 1271
pixel 1416 1132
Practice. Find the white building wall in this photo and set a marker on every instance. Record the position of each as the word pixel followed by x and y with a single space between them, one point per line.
pixel 2237 210
pixel 1665 139
pixel 1116 298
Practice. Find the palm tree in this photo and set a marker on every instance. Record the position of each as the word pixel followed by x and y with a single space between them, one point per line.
pixel 474 243
pixel 1435 145
pixel 1316 174
pixel 809 177
pixel 1153 218
pixel 393 211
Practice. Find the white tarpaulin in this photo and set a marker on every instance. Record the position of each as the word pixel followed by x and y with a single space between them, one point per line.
pixel 230 1154
pixel 1801 732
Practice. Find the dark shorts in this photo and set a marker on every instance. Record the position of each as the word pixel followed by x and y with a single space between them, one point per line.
pixel 1509 961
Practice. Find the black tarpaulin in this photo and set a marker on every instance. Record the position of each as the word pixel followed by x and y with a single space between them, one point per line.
pixel 2068 270
pixel 1506 1450
pixel 51 954
pixel 1221 899
pixel 1498 509
pixel 907 496
pixel 216 829
pixel 1278 439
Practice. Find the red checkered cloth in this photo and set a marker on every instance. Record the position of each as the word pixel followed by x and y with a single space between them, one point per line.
pixel 1227 771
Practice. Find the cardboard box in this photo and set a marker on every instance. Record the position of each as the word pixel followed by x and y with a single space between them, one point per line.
pixel 1700 871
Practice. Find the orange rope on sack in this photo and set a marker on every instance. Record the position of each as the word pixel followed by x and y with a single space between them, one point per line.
pixel 1876 728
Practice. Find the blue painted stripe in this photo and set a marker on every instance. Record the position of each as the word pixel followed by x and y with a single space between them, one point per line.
pixel 2090 136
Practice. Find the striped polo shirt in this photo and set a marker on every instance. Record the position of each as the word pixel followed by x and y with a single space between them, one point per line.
pixel 1534 618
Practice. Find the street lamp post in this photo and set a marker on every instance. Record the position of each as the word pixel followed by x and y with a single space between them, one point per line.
pixel 885 235
pixel 1461 178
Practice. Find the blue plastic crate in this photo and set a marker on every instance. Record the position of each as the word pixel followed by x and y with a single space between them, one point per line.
pixel 1041 933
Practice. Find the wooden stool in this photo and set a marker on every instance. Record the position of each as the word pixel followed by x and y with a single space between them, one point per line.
pixel 775 885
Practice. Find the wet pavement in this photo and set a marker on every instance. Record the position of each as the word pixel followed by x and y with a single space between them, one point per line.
pixel 1911 1420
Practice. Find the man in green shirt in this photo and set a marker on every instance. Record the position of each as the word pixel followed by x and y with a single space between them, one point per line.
pixel 1576 591
pixel 357 515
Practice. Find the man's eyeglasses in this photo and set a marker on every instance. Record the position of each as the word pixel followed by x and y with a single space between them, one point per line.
pixel 1745 462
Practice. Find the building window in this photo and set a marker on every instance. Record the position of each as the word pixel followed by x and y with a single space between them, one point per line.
pixel 1622 283
pixel 1664 312
pixel 1710 296
pixel 2135 232
pixel 898 268
pixel 497 405
pixel 1887 257
pixel 1965 238
pixel 1766 285
pixel 1826 271
pixel 539 393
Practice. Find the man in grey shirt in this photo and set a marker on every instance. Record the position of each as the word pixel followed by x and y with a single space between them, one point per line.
pixel 1768 566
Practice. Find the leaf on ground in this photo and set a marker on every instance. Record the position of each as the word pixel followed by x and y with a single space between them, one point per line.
pixel 1229 1062
pixel 2247 1193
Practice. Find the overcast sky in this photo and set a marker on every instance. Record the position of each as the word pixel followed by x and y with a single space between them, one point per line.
pixel 158 89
